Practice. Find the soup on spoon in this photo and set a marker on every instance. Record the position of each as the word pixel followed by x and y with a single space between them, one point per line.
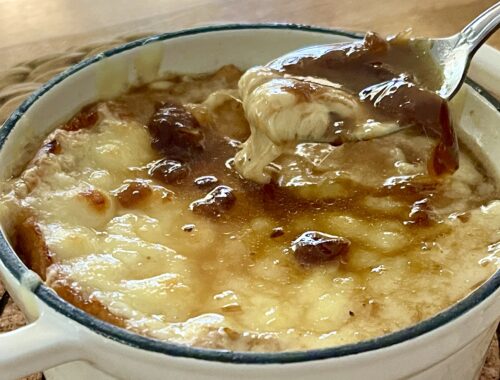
pixel 344 93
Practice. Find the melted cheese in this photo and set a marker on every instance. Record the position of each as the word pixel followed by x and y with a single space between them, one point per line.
pixel 227 284
pixel 280 118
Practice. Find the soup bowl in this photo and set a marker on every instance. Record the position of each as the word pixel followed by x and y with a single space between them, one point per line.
pixel 69 343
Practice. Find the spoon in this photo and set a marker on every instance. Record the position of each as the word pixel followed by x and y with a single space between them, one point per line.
pixel 452 54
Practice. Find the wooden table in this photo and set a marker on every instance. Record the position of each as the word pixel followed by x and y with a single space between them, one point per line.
pixel 31 28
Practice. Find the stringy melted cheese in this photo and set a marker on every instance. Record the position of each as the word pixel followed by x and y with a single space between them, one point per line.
pixel 227 284
pixel 284 110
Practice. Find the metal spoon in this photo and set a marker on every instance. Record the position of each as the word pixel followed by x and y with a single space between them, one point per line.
pixel 453 54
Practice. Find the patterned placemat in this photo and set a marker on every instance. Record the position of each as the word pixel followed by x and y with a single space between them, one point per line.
pixel 18 82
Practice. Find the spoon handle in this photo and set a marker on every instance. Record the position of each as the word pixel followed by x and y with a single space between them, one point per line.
pixel 476 32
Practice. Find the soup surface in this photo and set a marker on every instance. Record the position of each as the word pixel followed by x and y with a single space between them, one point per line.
pixel 137 211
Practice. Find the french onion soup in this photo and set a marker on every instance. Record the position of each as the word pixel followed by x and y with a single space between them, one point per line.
pixel 304 204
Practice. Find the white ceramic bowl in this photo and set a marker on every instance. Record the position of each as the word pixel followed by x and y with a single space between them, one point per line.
pixel 450 345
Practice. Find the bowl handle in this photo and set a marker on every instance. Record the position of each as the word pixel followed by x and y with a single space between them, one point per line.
pixel 35 347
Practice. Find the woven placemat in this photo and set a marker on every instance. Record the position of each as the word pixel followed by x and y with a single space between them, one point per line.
pixel 18 82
